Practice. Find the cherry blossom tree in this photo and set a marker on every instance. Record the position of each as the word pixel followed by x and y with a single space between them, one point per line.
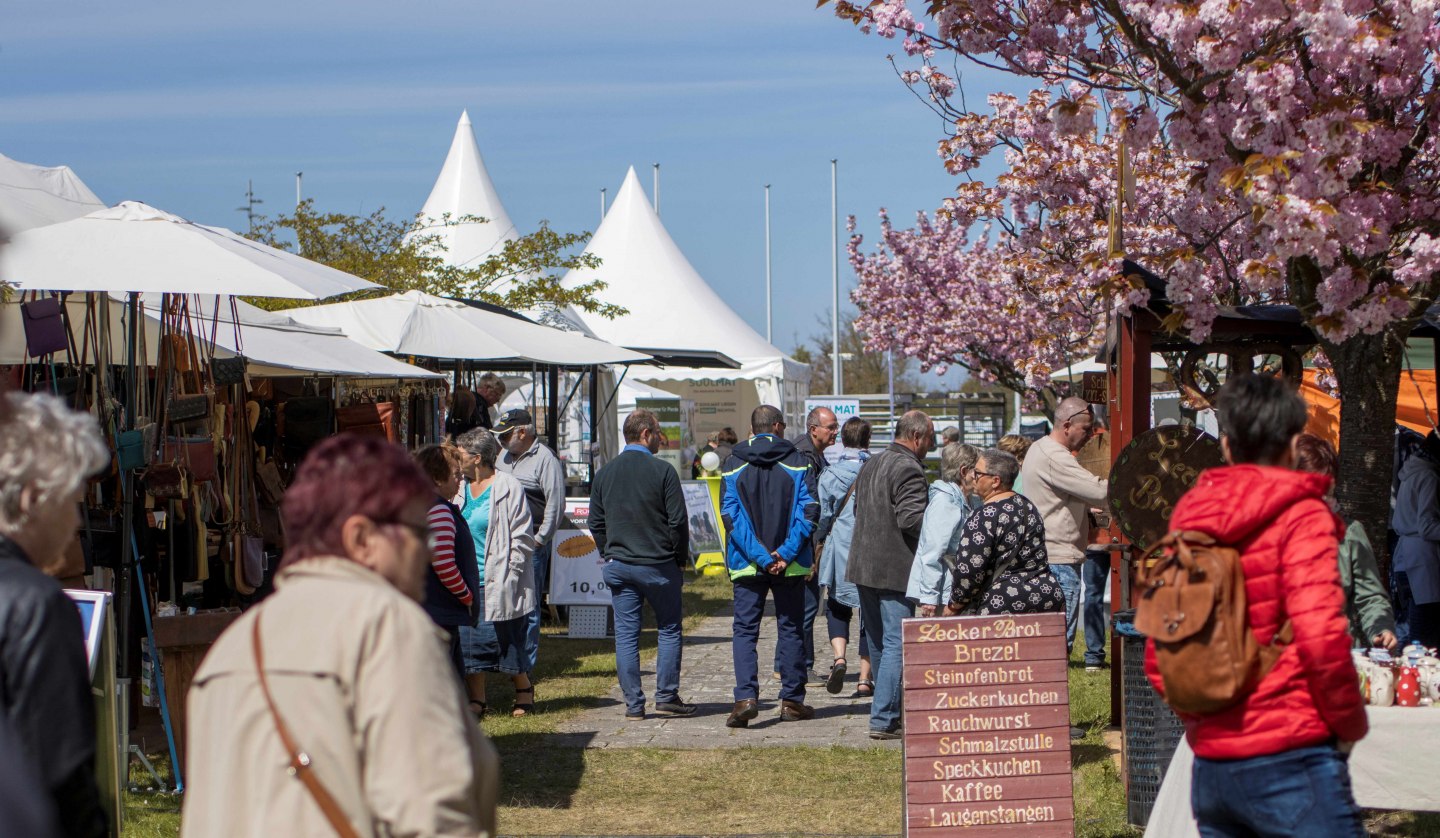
pixel 1310 124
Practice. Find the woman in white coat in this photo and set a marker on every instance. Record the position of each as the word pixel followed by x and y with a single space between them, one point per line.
pixel 493 506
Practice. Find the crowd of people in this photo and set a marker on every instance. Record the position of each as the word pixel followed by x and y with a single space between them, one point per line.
pixel 387 552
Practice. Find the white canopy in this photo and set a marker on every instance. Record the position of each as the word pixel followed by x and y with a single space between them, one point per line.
pixel 274 344
pixel 670 305
pixel 33 196
pixel 416 323
pixel 135 247
pixel 464 189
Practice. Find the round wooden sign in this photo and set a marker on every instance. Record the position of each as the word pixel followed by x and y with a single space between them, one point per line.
pixel 1151 474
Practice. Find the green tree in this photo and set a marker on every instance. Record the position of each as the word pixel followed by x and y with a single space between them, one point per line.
pixel 863 371
pixel 410 255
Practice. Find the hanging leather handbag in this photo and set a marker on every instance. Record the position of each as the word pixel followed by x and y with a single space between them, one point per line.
pixel 44 321
pixel 130 450
pixel 252 560
pixel 304 421
pixel 375 419
pixel 196 453
pixel 187 408
pixel 227 371
pixel 166 481
pixel 272 488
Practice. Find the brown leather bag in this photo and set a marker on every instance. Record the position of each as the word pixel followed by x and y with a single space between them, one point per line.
pixel 1192 605
pixel 299 760
pixel 373 419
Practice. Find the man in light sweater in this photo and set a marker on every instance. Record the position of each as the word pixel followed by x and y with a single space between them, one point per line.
pixel 1064 492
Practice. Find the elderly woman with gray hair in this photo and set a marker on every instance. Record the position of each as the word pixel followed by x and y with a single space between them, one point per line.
pixel 930 575
pixel 1002 567
pixel 494 508
pixel 47 453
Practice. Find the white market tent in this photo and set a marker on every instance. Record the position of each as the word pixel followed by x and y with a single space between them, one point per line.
pixel 34 196
pixel 464 189
pixel 273 344
pixel 416 323
pixel 134 247
pixel 671 307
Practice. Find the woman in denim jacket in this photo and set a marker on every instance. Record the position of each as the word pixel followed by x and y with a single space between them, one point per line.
pixel 833 533
pixel 930 578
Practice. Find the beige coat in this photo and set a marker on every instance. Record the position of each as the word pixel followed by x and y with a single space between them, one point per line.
pixel 509 552
pixel 1063 491
pixel 361 676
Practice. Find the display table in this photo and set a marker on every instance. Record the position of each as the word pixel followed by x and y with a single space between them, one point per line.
pixel 1393 767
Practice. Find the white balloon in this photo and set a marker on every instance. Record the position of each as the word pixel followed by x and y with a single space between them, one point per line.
pixel 710 461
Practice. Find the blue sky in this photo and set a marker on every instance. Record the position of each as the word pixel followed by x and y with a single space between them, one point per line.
pixel 179 105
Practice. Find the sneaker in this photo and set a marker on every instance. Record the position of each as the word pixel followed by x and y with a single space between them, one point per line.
pixel 675 708
pixel 895 732
pixel 1096 667
pixel 745 709
pixel 794 711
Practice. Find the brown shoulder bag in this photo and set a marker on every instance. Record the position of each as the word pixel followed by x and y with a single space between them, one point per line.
pixel 1192 605
pixel 299 760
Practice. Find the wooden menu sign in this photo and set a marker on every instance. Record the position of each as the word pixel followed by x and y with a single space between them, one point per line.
pixel 987 727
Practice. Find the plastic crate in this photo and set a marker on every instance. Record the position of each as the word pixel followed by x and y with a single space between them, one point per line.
pixel 1152 730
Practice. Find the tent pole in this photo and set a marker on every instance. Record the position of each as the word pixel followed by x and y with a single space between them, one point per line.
pixel 594 423
pixel 613 393
pixel 552 407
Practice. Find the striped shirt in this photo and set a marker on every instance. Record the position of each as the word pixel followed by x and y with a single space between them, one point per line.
pixel 442 551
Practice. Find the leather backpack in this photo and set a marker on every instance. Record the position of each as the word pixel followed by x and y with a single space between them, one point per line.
pixel 1192 606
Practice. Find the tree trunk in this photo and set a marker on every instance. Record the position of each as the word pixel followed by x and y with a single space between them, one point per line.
pixel 1367 368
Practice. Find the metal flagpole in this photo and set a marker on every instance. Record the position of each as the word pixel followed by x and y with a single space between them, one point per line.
pixel 768 321
pixel 839 385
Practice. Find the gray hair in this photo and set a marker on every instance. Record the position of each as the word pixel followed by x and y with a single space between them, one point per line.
pixel 47 448
pixel 915 424
pixel 480 442
pixel 955 458
pixel 950 434
pixel 1001 464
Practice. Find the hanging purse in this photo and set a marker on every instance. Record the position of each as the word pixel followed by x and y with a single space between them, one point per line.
pixel 44 321
pixel 196 453
pixel 375 419
pixel 187 408
pixel 130 450
pixel 166 481
pixel 227 371
pixel 272 488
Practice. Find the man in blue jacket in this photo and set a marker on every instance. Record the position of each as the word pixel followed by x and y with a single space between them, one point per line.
pixel 769 514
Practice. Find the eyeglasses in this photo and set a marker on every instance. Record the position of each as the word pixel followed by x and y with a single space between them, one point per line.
pixel 978 473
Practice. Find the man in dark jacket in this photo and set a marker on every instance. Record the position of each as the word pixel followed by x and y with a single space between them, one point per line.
pixel 769 514
pixel 821 428
pixel 637 517
pixel 890 499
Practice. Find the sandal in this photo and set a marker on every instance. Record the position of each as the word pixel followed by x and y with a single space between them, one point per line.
pixel 865 689
pixel 524 708
pixel 480 713
pixel 837 677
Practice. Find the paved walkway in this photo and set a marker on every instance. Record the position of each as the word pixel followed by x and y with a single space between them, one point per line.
pixel 707 679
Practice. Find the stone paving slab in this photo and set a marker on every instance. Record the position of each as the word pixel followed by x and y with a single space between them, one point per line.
pixel 707 679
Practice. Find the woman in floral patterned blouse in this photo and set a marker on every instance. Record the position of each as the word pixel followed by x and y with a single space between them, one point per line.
pixel 1002 567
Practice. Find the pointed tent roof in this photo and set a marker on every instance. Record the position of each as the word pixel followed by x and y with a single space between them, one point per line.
pixel 464 188
pixel 670 305
pixel 34 196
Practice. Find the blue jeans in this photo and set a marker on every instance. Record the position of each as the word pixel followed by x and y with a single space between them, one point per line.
pixel 789 593
pixel 532 626
pixel 1068 575
pixel 1095 571
pixel 631 586
pixel 881 613
pixel 1304 792
pixel 807 625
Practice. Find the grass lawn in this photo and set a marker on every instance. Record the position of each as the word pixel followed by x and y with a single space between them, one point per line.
pixel 553 790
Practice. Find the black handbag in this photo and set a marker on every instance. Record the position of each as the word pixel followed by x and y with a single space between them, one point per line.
pixel 304 421
pixel 187 408
pixel 227 371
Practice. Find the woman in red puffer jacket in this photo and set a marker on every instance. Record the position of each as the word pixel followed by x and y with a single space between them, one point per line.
pixel 1273 764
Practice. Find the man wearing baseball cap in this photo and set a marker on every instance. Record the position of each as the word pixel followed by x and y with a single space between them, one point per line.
pixel 543 478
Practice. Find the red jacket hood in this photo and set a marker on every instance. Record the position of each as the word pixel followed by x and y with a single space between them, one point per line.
pixel 1234 502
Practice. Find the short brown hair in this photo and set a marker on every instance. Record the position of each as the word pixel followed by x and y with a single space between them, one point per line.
pixel 1313 453
pixel 436 461
pixel 638 422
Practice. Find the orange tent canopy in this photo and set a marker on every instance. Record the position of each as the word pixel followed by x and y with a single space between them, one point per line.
pixel 1417 390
